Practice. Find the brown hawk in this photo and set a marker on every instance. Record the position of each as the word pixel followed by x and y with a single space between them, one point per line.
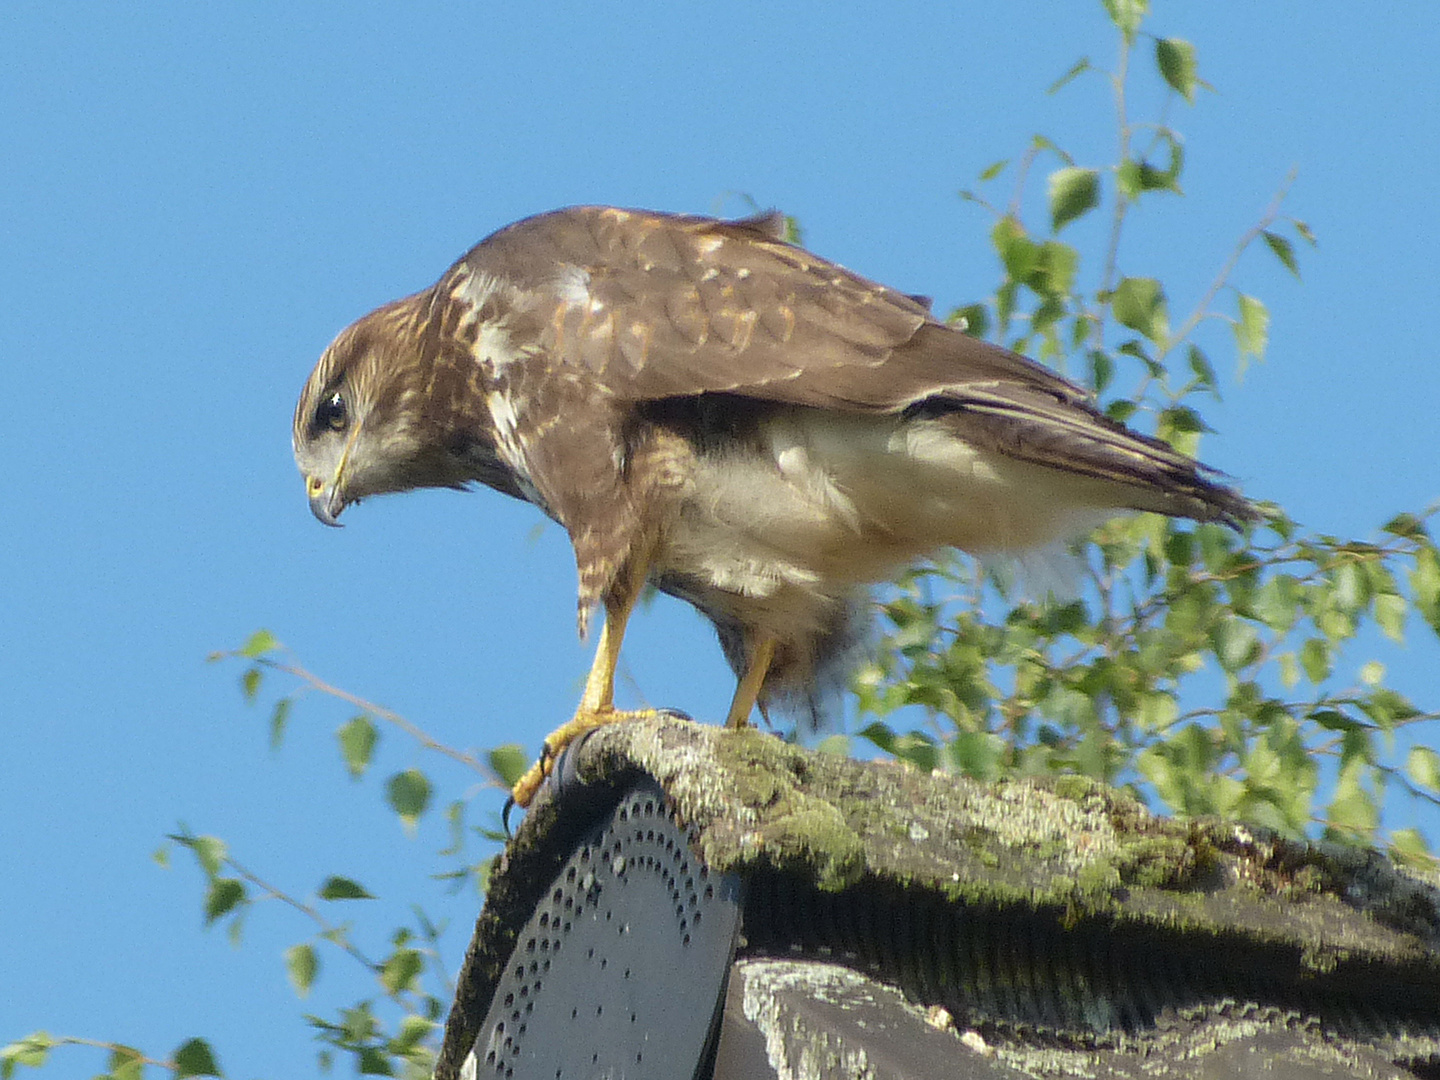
pixel 704 406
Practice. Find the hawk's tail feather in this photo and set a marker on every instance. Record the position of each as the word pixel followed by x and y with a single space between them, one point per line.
pixel 1081 440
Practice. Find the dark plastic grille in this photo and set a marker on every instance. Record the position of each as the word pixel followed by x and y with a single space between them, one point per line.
pixel 591 988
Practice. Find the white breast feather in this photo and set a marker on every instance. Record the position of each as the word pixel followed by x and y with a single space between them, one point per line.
pixel 839 501
pixel 509 443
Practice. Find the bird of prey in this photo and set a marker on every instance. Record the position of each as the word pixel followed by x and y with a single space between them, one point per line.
pixel 706 407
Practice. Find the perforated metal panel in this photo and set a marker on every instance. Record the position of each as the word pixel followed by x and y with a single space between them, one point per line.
pixel 621 970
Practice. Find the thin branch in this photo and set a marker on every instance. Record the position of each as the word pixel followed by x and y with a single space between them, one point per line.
pixel 328 930
pixel 336 935
pixel 1122 204
pixel 1390 772
pixel 1251 235
pixel 129 1052
pixel 1022 174
pixel 369 707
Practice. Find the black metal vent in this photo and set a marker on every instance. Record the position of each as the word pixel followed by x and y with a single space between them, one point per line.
pixel 591 988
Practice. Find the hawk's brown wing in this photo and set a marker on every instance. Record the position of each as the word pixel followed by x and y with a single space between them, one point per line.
pixel 656 306
pixel 659 306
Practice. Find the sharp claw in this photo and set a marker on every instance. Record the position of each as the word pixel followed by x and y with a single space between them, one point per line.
pixel 529 785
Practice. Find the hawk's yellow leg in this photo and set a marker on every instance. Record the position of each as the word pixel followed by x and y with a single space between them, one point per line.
pixel 597 706
pixel 748 692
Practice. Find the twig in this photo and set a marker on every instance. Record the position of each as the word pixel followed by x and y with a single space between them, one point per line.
pixel 1203 305
pixel 369 707
pixel 328 930
pixel 1122 204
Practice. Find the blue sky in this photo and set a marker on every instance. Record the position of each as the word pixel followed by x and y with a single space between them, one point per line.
pixel 195 198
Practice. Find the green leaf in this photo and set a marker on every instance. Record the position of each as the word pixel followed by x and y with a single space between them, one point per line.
pixel 1135 177
pixel 1304 231
pixel 250 683
pixel 258 644
pixel 980 754
pixel 374 1062
pixel 125 1063
pixel 223 896
pixel 1203 370
pixel 1425 583
pixel 195 1058
pixel 509 763
pixel 1351 589
pixel 1168 178
pixel 994 169
pixel 1127 178
pixel 1176 59
pixel 1283 249
pixel 401 970
pixel 1277 603
pixel 1422 765
pixel 340 888
pixel 1406 526
pixel 1236 643
pixel 1016 250
pixel 302 965
pixel 1102 370
pixel 1139 303
pixel 1181 427
pixel 1055 270
pixel 972 319
pixel 413 1031
pixel 1080 66
pixel 358 737
pixel 879 733
pixel 1390 612
pixel 1252 328
pixel 409 794
pixel 1409 845
pixel 31 1051
pixel 1127 15
pixel 210 851
pixel 1072 192
pixel 358 1023
pixel 1333 720
pixel 918 749
pixel 1158 711
pixel 278 719
pixel 1315 659
pixel 1121 410
pixel 1353 811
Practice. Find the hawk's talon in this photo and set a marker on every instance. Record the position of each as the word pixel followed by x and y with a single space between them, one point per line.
pixel 523 793
pixel 584 721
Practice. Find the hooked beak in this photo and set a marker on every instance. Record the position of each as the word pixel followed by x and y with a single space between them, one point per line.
pixel 326 501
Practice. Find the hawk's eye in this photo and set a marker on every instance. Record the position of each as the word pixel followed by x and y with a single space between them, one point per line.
pixel 331 413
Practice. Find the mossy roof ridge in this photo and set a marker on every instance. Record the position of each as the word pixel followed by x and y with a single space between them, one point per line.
pixel 1070 843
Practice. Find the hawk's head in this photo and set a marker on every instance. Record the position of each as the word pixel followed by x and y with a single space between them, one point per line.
pixel 364 424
